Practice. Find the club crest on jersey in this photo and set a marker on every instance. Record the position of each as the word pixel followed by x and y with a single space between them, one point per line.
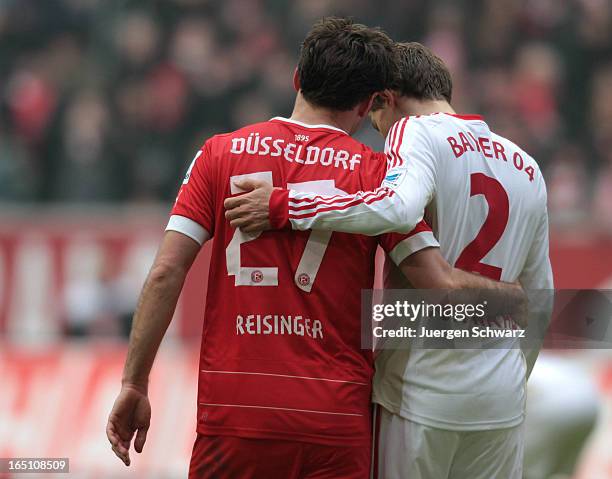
pixel 394 178
pixel 257 276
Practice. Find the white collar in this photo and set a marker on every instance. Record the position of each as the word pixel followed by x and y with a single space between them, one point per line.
pixel 306 125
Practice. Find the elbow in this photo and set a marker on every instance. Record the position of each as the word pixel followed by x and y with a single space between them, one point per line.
pixel 413 218
pixel 406 217
pixel 165 274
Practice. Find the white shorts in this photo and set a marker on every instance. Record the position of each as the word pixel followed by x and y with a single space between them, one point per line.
pixel 408 450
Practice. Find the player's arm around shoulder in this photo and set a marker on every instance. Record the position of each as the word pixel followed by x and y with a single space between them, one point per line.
pixel 396 205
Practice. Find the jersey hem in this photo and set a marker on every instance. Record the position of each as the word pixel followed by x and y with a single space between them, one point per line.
pixel 447 425
pixel 283 435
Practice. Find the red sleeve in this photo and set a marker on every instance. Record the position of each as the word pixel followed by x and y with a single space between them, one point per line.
pixel 195 199
pixel 400 246
pixel 279 209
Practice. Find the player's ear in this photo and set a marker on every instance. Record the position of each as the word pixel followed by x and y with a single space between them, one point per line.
pixel 296 80
pixel 387 99
pixel 366 105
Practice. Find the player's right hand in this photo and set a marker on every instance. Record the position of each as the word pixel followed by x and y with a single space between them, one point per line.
pixel 131 414
pixel 250 211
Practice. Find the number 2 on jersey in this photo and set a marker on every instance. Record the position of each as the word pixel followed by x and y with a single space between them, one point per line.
pixel 492 229
pixel 311 257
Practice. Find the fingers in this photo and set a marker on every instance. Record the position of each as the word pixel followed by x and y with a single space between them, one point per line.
pixel 248 184
pixel 246 222
pixel 236 201
pixel 119 446
pixel 244 219
pixel 235 213
pixel 125 457
pixel 141 437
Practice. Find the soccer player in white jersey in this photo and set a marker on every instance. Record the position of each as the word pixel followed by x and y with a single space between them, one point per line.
pixel 445 413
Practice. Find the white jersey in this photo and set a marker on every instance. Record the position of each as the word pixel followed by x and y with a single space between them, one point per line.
pixel 485 199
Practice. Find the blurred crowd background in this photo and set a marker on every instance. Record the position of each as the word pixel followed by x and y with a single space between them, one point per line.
pixel 103 104
pixel 106 101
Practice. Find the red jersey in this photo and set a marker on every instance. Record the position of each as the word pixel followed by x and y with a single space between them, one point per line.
pixel 281 349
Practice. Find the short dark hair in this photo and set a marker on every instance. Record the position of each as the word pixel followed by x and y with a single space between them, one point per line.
pixel 342 63
pixel 422 74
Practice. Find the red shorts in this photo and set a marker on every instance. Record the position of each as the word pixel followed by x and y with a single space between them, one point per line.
pixel 229 457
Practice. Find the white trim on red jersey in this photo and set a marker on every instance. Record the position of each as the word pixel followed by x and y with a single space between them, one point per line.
pixel 288 409
pixel 188 227
pixel 284 376
pixel 411 245
pixel 306 125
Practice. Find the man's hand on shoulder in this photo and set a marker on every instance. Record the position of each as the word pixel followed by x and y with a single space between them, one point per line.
pixel 250 211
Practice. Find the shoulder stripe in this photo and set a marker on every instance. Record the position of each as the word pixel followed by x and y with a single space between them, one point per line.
pixel 398 146
pixel 391 141
pixel 398 140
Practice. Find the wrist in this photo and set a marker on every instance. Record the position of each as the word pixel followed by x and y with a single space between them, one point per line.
pixel 279 209
pixel 138 386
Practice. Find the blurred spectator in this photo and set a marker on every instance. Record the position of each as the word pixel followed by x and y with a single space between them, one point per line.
pixel 102 102
pixel 99 299
pixel 603 195
pixel 567 186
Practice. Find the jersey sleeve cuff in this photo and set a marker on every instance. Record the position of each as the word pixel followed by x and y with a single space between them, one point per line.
pixel 188 227
pixel 412 244
pixel 279 209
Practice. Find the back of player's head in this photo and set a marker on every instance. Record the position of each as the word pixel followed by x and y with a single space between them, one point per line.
pixel 343 63
pixel 422 74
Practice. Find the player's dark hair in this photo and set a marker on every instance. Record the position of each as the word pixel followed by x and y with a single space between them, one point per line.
pixel 342 63
pixel 422 74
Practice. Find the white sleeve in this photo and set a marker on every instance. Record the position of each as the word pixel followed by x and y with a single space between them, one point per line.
pixel 537 271
pixel 396 206
pixel 537 281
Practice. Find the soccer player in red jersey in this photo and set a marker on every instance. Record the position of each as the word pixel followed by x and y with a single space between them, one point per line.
pixel 284 386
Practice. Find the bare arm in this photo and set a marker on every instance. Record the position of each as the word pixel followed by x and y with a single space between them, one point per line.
pixel 156 305
pixel 131 411
pixel 427 269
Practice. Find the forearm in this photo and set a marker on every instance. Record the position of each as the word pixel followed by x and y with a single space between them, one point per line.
pixel 502 298
pixel 461 279
pixel 153 315
pixel 427 269
pixel 371 213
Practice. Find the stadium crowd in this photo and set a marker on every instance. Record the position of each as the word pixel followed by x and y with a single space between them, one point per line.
pixel 107 101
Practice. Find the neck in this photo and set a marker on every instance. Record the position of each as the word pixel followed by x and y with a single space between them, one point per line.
pixel 412 107
pixel 313 115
